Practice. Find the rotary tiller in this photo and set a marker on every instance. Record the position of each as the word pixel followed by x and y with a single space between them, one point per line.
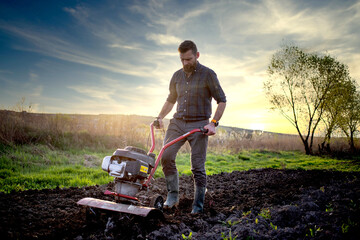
pixel 133 170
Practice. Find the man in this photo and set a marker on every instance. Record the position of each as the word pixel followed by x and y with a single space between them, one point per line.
pixel 193 88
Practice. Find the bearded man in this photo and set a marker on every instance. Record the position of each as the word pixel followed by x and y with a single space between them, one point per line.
pixel 193 87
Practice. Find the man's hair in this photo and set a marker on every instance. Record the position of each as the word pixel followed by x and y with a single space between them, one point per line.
pixel 186 46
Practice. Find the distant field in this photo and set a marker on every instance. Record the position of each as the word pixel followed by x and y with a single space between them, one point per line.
pixel 38 167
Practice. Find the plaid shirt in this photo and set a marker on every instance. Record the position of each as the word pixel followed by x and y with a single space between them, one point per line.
pixel 194 94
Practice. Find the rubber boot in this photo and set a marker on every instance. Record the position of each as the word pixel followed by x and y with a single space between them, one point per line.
pixel 199 198
pixel 172 184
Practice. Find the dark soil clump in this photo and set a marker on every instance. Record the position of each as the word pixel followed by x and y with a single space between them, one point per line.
pixel 256 204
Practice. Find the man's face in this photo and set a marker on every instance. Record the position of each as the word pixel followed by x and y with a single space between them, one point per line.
pixel 188 60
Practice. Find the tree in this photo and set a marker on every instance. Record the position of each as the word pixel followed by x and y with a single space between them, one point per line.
pixel 334 113
pixel 350 121
pixel 299 87
pixel 337 97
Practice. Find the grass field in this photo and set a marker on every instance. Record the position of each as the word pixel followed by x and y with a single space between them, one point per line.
pixel 38 166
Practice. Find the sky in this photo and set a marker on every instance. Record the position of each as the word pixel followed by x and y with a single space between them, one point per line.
pixel 117 57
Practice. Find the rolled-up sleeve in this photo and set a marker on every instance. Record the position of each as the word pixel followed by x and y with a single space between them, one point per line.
pixel 215 89
pixel 172 97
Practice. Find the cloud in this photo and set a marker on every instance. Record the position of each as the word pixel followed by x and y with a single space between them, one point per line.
pixel 162 39
pixel 36 91
pixel 249 33
pixel 115 30
pixel 94 92
pixel 174 18
pixel 48 44
pixel 33 76
pixel 106 89
pixel 112 96
pixel 70 10
pixel 15 89
pixel 128 47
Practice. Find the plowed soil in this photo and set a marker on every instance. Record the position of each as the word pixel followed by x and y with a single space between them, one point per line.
pixel 256 204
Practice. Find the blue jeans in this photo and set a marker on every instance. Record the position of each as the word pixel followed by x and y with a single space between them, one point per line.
pixel 198 143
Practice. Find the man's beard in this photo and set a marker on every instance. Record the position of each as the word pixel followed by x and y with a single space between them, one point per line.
pixel 189 68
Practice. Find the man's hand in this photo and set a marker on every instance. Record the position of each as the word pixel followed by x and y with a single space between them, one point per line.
pixel 161 124
pixel 164 111
pixel 211 129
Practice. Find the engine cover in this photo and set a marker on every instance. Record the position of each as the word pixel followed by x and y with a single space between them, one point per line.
pixel 129 164
pixel 135 154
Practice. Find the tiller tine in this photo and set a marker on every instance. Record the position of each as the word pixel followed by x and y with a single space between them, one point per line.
pixel 120 207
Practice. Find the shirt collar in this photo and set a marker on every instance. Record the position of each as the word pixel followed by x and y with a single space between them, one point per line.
pixel 198 66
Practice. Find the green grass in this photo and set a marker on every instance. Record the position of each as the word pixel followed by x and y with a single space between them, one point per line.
pixel 256 159
pixel 278 160
pixel 38 166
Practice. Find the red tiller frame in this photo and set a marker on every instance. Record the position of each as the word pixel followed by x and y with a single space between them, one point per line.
pixel 147 182
pixel 107 192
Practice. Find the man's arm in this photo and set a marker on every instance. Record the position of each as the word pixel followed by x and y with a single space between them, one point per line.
pixel 217 116
pixel 219 111
pixel 168 106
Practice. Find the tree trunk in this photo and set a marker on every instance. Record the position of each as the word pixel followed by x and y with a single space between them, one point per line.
pixel 325 145
pixel 308 150
pixel 351 143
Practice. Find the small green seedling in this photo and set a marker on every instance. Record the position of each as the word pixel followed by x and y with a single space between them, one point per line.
pixel 230 237
pixel 265 213
pixel 344 228
pixel 245 214
pixel 329 208
pixel 313 231
pixel 187 237
pixel 229 223
pixel 273 226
